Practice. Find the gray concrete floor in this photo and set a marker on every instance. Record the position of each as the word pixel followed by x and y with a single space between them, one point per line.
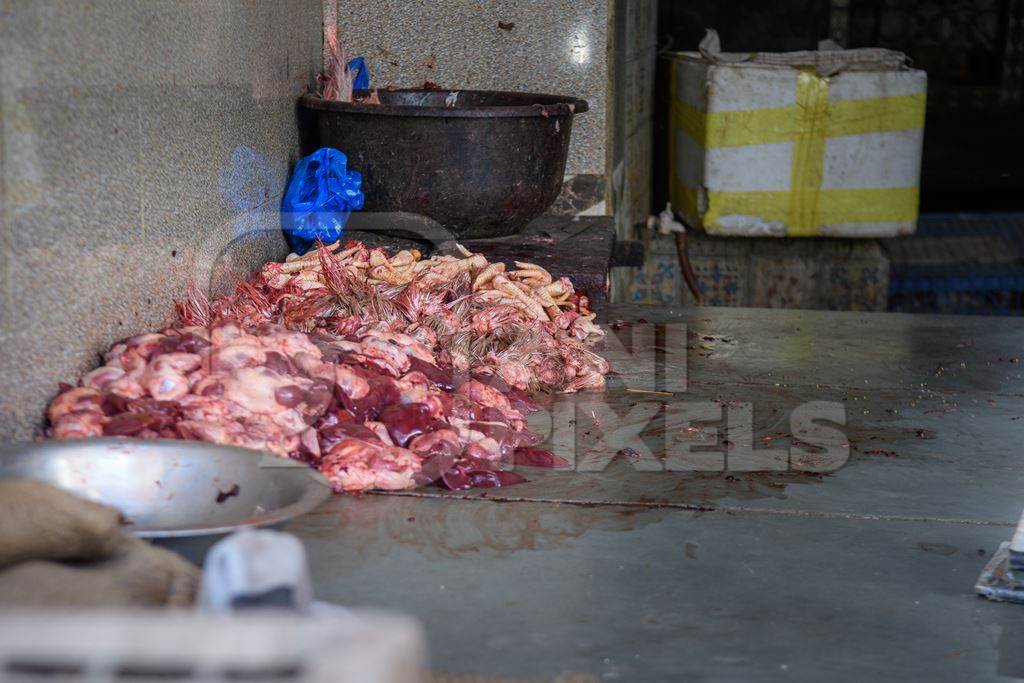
pixel 637 575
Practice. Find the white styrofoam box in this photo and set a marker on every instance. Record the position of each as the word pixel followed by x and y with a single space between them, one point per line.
pixel 771 147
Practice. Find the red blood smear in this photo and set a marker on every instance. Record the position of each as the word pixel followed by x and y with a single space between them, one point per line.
pixel 537 457
pixel 438 377
pixel 406 421
pixel 129 424
pixel 230 493
pixel 289 396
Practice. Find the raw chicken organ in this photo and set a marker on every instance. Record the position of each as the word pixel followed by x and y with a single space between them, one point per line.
pixel 382 372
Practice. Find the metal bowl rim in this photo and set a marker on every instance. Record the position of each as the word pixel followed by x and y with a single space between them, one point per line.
pixel 314 495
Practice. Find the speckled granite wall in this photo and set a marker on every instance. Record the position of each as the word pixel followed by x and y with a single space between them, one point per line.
pixel 557 46
pixel 143 144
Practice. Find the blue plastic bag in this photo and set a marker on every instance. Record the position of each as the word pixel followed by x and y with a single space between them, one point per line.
pixel 321 195
pixel 362 77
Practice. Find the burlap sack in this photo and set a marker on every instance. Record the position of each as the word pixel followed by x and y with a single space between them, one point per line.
pixel 60 550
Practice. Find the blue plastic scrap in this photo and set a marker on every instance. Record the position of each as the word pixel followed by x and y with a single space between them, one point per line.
pixel 320 197
pixel 361 81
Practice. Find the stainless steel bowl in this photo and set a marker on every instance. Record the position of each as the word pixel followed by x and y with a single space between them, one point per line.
pixel 173 489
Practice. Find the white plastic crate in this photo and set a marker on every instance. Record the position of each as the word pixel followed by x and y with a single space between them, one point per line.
pixel 189 647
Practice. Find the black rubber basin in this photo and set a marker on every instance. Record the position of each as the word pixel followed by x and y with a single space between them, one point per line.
pixel 480 163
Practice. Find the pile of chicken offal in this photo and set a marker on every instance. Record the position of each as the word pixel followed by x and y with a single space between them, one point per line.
pixel 382 372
